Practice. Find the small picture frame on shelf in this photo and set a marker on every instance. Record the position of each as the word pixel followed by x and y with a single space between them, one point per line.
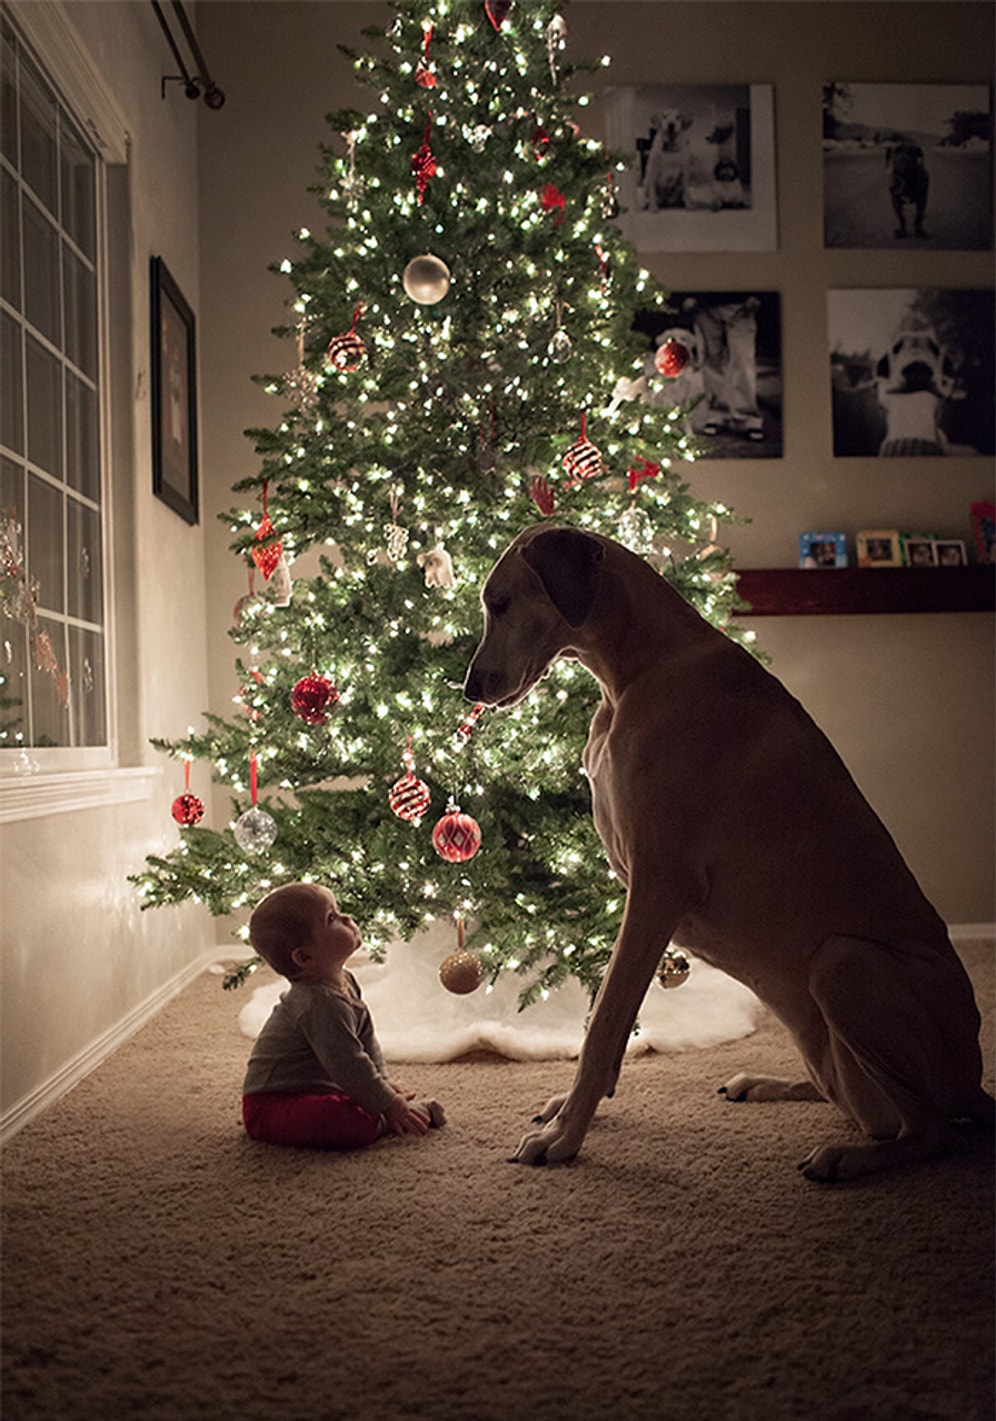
pixel 919 550
pixel 822 550
pixel 984 530
pixel 879 547
pixel 951 552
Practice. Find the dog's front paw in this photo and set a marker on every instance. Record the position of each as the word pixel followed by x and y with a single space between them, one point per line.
pixel 826 1164
pixel 552 1145
pixel 549 1110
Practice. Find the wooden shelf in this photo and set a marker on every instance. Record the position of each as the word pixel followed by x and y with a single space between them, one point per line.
pixel 815 592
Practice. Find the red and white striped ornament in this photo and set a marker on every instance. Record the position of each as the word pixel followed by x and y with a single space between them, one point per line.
pixel 346 350
pixel 582 460
pixel 457 837
pixel 409 797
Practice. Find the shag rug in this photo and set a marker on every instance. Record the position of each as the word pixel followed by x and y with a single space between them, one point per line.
pixel 158 1264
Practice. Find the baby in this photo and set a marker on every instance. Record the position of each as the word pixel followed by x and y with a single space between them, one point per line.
pixel 316 1074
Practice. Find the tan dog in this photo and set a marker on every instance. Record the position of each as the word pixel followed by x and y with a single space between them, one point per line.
pixel 741 836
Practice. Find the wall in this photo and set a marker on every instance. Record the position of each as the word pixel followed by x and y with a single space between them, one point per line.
pixel 908 700
pixel 81 964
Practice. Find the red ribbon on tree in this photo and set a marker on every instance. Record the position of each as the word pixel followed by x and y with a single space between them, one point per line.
pixel 424 164
pixel 641 469
pixel 553 200
pixel 267 555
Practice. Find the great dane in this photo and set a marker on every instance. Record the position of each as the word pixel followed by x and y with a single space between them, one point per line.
pixel 909 184
pixel 740 835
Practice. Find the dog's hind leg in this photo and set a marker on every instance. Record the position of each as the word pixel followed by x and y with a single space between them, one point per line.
pixel 902 1055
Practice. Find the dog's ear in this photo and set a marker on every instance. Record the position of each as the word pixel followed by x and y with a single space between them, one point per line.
pixel 883 368
pixel 569 565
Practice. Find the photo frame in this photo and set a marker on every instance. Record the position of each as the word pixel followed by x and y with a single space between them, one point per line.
pixel 951 552
pixel 879 547
pixel 173 378
pixel 702 175
pixel 821 550
pixel 919 550
pixel 907 165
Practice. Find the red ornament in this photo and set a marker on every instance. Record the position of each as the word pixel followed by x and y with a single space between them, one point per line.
pixel 187 809
pixel 582 460
pixel 311 698
pixel 641 469
pixel 671 358
pixel 424 76
pixel 267 555
pixel 423 164
pixel 541 494
pixel 552 200
pixel 409 797
pixel 497 11
pixel 346 351
pixel 456 837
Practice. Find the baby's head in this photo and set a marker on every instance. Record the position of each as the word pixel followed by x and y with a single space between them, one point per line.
pixel 285 920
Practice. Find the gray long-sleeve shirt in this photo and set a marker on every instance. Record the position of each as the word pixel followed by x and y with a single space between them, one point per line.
pixel 317 1040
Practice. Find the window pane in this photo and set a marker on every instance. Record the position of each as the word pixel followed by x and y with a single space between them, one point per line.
pixel 84 570
pixel 49 704
pixel 86 686
pixel 78 217
pixel 81 313
pixel 41 272
pixel 38 146
pixel 12 386
pixel 82 467
pixel 8 115
pixel 13 684
pixel 43 533
pixel 44 408
pixel 10 240
pixel 12 489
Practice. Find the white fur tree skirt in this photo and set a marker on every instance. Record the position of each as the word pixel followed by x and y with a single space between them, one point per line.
pixel 417 1019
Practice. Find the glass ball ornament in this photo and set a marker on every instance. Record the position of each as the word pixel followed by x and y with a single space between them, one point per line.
pixel 426 279
pixel 457 837
pixel 311 698
pixel 674 968
pixel 187 809
pixel 461 972
pixel 559 348
pixel 254 831
pixel 671 358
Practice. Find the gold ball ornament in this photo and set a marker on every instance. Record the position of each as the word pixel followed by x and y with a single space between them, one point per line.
pixel 461 972
pixel 674 968
pixel 426 280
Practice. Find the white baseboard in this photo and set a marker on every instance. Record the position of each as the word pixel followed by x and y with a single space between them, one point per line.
pixel 965 932
pixel 91 1056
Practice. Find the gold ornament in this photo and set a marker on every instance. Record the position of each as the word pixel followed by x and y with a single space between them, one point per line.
pixel 674 968
pixel 461 972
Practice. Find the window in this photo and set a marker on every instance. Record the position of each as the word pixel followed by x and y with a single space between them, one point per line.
pixel 53 632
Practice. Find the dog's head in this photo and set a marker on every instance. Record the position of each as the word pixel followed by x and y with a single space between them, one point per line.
pixel 541 590
pixel 916 361
pixel 670 125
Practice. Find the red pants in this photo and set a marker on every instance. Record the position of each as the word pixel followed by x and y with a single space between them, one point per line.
pixel 318 1122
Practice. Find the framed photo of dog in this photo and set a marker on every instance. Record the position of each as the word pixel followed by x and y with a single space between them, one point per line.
pixel 702 175
pixel 908 165
pixel 730 387
pixel 912 372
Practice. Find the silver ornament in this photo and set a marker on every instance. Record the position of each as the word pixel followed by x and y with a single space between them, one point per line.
pixel 254 831
pixel 559 348
pixel 426 279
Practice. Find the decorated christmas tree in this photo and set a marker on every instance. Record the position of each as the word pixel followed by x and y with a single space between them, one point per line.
pixel 464 363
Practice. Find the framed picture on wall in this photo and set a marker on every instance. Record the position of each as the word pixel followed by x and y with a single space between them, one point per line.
pixel 879 547
pixel 912 372
pixel 731 384
pixel 907 165
pixel 702 175
pixel 174 395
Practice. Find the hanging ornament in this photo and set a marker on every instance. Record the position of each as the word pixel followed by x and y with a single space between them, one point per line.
pixel 267 554
pixel 552 200
pixel 641 469
pixel 187 809
pixel 346 350
pixel 395 536
pixel 311 698
pixel 556 38
pixel 477 135
pixel 426 279
pixel 674 967
pixel 541 143
pixel 635 530
pixel 605 266
pixel 671 358
pixel 610 197
pixel 462 972
pixel 254 830
pixel 437 566
pixel 409 797
pixel 351 185
pixel 423 164
pixel 626 389
pixel 281 587
pixel 300 386
pixel 466 727
pixel 497 11
pixel 582 460
pixel 541 494
pixel 560 347
pixel 424 71
pixel 457 836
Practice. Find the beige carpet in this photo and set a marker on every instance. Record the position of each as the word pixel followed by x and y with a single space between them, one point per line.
pixel 159 1265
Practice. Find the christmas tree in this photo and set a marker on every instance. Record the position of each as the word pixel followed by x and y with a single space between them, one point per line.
pixel 466 363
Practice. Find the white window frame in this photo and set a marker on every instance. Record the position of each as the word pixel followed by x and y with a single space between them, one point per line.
pixel 71 778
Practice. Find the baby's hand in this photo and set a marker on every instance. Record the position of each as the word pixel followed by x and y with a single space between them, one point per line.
pixel 403 1120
